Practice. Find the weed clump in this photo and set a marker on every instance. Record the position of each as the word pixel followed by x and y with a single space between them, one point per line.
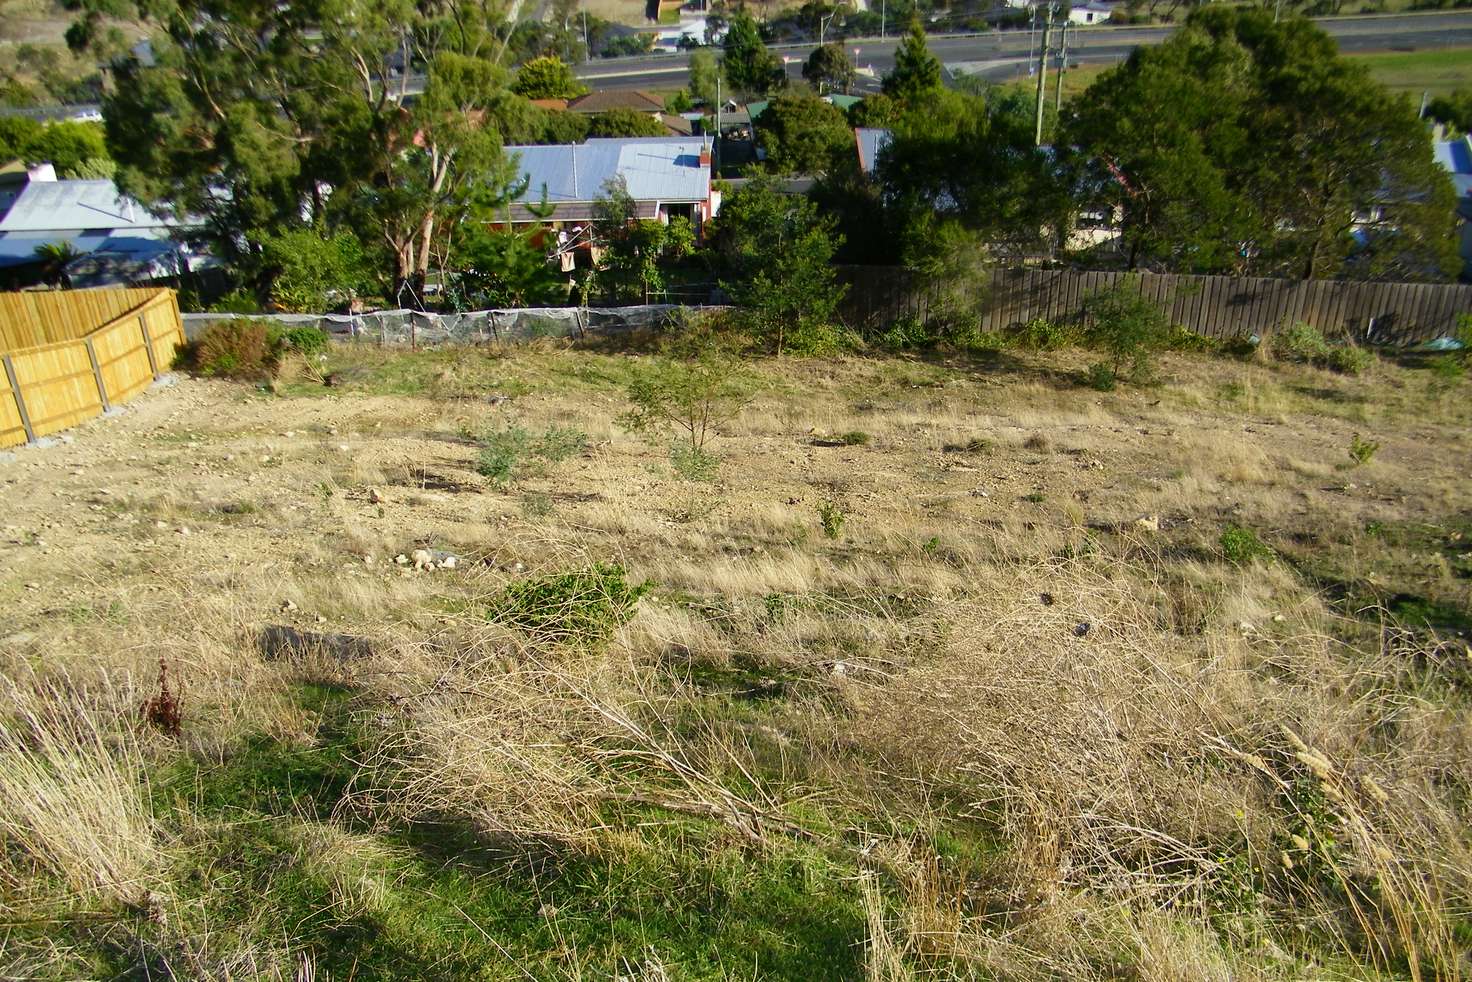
pixel 832 518
pixel 1241 546
pixel 1307 345
pixel 505 455
pixel 581 608
pixel 1101 377
pixel 1361 450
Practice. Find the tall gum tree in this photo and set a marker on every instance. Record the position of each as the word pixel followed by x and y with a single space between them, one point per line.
pixel 255 117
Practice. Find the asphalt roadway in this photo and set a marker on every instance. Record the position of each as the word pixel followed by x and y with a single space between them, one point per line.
pixel 999 55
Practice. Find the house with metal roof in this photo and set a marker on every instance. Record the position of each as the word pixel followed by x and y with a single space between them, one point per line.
pixel 116 239
pixel 666 176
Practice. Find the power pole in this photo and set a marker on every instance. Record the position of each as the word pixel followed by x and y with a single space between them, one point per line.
pixel 1043 77
pixel 883 13
pixel 1062 67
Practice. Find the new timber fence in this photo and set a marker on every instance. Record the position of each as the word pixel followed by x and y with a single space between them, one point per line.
pixel 1213 306
pixel 70 355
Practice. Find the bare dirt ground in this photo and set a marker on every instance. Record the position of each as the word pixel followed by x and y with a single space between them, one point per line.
pixel 1028 622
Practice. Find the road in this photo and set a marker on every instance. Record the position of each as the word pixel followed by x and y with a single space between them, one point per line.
pixel 1003 54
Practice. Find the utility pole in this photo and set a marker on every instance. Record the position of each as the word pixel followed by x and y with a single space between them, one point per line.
pixel 1062 68
pixel 883 13
pixel 717 157
pixel 1043 76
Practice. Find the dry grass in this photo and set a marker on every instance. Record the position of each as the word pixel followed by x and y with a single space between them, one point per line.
pixel 73 807
pixel 912 700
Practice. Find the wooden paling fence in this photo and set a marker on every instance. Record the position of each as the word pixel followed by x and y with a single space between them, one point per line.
pixel 1214 306
pixel 70 355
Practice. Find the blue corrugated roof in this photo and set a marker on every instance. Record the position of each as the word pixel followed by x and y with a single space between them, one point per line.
pixel 59 206
pixel 655 168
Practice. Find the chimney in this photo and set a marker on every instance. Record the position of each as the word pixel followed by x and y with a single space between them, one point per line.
pixel 704 154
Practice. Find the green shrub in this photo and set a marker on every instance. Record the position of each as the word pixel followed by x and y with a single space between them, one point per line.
pixel 832 519
pixel 1361 450
pixel 906 334
pixel 307 340
pixel 1101 377
pixel 1041 334
pixel 854 438
pixel 581 608
pixel 1350 359
pixel 311 272
pixel 1242 546
pixel 1301 342
pixel 236 349
pixel 500 454
pixel 1182 339
pixel 691 397
pixel 504 454
pixel 1307 345
pixel 1128 325
pixel 558 443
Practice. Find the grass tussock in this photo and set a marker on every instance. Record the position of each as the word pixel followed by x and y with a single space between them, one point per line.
pixel 73 804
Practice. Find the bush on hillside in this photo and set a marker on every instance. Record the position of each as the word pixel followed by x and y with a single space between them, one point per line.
pixel 1128 325
pixel 1307 345
pixel 236 349
pixel 250 350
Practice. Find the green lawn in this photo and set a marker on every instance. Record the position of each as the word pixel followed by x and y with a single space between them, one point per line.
pixel 1437 71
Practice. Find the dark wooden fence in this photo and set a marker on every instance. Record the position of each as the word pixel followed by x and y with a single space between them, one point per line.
pixel 1215 306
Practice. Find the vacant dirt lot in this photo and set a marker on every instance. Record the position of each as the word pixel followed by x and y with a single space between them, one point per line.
pixel 955 666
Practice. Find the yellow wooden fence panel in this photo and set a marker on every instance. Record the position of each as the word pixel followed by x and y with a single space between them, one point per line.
pixel 58 379
pixel 122 359
pixel 12 432
pixel 48 316
pixel 57 385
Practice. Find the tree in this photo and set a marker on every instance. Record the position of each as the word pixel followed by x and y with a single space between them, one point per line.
pixel 704 77
pixel 965 166
pixel 751 70
pixel 547 77
pixel 1453 110
pixel 558 126
pixel 435 163
pixel 625 122
pixel 280 116
pixel 309 271
pixel 916 72
pixel 633 248
pixel 830 69
pixel 776 252
pixel 497 269
pixel 75 149
pixel 16 133
pixel 805 135
pixel 1245 145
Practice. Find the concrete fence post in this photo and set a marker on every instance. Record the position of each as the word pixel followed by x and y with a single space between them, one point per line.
pixel 97 375
pixel 20 402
